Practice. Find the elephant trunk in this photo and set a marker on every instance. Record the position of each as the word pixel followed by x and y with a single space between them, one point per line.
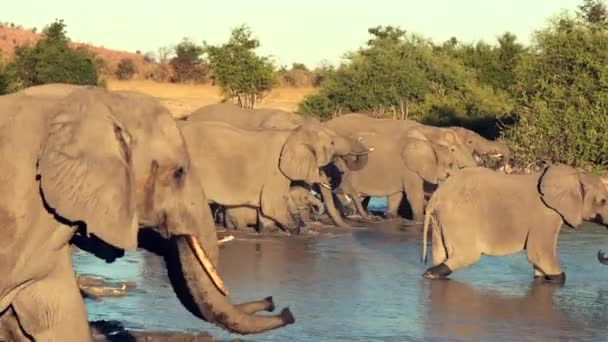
pixel 317 204
pixel 332 210
pixel 201 290
pixel 602 258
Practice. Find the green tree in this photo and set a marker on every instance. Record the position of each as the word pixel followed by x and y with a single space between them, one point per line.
pixel 52 60
pixel 563 96
pixel 238 71
pixel 397 74
pixel 594 13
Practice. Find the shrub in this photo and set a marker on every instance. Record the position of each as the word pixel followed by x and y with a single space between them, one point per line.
pixel 187 64
pixel 51 60
pixel 238 71
pixel 125 69
pixel 562 112
pixel 400 75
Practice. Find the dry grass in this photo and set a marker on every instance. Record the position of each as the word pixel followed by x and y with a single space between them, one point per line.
pixel 182 99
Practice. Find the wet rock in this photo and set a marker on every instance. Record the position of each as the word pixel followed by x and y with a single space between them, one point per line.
pixel 96 288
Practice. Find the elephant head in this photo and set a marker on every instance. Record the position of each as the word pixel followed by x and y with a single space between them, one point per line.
pixel 442 136
pixel 115 165
pixel 433 163
pixel 576 195
pixel 480 146
pixel 311 146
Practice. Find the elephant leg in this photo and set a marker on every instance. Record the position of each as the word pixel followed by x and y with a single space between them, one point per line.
pixel 453 263
pixel 360 209
pixel 10 330
pixel 51 309
pixel 541 249
pixel 392 204
pixel 332 209
pixel 414 191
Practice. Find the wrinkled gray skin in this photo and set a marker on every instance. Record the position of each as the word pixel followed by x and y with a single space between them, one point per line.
pixel 107 171
pixel 479 211
pixel 300 201
pixel 264 119
pixel 406 154
pixel 255 167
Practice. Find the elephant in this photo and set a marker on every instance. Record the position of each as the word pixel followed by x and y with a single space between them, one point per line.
pixel 107 172
pixel 255 168
pixel 464 145
pixel 267 118
pixel 398 164
pixel 480 211
pixel 299 200
pixel 248 118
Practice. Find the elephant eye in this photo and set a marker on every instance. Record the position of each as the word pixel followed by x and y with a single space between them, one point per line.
pixel 178 174
pixel 470 141
pixel 603 201
pixel 332 143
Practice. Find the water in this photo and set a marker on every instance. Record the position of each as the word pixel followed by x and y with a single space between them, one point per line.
pixel 366 285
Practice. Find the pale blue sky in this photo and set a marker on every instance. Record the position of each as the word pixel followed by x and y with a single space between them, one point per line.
pixel 292 31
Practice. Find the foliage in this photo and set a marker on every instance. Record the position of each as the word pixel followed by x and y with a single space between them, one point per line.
pixel 125 69
pixel 562 87
pixel 238 71
pixel 399 74
pixel 52 60
pixel 187 64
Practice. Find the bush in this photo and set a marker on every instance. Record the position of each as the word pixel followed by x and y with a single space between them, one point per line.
pixel 51 60
pixel 238 71
pixel 400 75
pixel 125 69
pixel 187 64
pixel 562 112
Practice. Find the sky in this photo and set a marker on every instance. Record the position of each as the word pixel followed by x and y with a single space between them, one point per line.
pixel 309 32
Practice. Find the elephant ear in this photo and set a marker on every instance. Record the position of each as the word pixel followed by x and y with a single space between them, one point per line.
pixel 297 160
pixel 562 191
pixel 420 157
pixel 85 172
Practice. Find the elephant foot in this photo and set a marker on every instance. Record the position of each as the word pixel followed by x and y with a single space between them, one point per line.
pixel 287 316
pixel 440 271
pixel 558 279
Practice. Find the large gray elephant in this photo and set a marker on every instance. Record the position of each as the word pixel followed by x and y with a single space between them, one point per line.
pixel 479 211
pixel 107 172
pixel 299 202
pixel 247 118
pixel 465 146
pixel 255 168
pixel 399 165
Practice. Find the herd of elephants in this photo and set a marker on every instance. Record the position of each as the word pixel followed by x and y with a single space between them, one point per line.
pixel 109 171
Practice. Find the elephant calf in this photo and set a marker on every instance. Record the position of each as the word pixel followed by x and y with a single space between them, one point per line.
pixel 481 211
pixel 299 200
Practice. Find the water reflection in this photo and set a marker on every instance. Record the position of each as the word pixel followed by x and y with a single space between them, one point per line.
pixel 366 285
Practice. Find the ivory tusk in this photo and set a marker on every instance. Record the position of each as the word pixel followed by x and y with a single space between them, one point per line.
pixel 325 185
pixel 225 239
pixel 371 149
pixel 497 155
pixel 202 257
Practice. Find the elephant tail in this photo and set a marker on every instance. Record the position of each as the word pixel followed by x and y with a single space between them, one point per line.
pixel 427 220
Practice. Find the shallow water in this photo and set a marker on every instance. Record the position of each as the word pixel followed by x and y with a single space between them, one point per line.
pixel 366 285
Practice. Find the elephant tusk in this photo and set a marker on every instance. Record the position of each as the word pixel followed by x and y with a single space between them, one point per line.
pixel 325 185
pixel 496 155
pixel 371 149
pixel 225 239
pixel 203 258
pixel 348 198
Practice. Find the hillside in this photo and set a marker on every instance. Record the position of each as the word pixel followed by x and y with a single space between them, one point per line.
pixel 13 37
